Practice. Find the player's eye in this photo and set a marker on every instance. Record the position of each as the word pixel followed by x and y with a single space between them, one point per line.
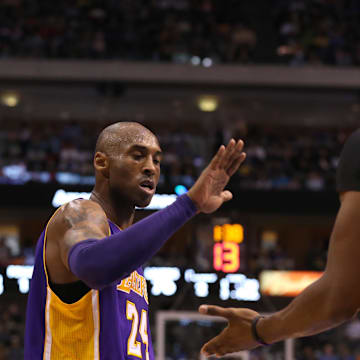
pixel 138 156
pixel 156 161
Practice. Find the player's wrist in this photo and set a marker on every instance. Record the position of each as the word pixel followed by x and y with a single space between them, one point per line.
pixel 257 336
pixel 194 200
pixel 188 203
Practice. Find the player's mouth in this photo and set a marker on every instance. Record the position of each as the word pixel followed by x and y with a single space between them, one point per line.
pixel 148 186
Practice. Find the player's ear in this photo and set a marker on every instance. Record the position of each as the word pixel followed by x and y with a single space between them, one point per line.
pixel 101 164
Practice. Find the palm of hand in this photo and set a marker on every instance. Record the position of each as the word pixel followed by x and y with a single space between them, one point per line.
pixel 236 336
pixel 214 184
pixel 238 328
pixel 208 192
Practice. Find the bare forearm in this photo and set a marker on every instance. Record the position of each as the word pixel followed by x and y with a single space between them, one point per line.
pixel 318 308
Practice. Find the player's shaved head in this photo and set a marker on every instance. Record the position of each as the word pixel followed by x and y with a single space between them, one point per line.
pixel 115 136
pixel 127 154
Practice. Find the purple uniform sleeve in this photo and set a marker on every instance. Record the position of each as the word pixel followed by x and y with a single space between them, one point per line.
pixel 99 263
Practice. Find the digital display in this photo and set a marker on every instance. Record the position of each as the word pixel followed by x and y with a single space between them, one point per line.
pixel 229 233
pixel 165 281
pixel 287 283
pixel 227 257
pixel 226 250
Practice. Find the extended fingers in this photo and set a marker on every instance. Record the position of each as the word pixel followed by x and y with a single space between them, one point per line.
pixel 216 160
pixel 215 345
pixel 225 157
pixel 236 164
pixel 234 151
pixel 215 311
pixel 228 153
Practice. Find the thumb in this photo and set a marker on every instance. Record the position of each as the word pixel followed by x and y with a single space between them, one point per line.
pixel 215 311
pixel 226 195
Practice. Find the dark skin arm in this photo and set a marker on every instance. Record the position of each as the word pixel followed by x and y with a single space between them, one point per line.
pixel 74 222
pixel 328 302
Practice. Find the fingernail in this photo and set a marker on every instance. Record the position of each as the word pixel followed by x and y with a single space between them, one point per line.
pixel 203 308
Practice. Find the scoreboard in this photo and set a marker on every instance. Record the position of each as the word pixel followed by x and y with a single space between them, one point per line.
pixel 226 249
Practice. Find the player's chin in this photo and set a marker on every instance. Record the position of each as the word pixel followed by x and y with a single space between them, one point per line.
pixel 143 201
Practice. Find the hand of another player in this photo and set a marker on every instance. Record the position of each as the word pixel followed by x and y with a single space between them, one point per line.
pixel 208 192
pixel 236 336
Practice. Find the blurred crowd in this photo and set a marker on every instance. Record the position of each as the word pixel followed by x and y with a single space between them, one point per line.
pixel 277 158
pixel 292 159
pixel 40 152
pixel 165 30
pixel 341 343
pixel 186 31
pixel 319 32
pixel 11 332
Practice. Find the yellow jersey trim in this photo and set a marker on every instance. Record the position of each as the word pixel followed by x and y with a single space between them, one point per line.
pixel 54 303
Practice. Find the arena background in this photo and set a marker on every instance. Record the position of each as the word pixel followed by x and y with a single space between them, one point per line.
pixel 282 75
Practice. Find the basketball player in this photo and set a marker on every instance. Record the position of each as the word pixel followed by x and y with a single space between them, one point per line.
pixel 328 302
pixel 88 298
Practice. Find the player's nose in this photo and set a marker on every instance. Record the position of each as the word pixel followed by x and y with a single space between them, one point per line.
pixel 149 166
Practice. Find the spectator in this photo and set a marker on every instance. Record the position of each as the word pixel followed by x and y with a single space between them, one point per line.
pixel 277 158
pixel 328 353
pixel 318 32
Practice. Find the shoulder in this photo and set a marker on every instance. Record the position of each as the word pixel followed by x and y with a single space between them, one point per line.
pixel 79 212
pixel 81 206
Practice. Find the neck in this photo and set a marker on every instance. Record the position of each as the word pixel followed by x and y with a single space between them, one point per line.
pixel 121 216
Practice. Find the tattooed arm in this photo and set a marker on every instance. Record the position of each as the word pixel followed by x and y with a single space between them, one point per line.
pixel 76 221
pixel 88 253
pixel 83 219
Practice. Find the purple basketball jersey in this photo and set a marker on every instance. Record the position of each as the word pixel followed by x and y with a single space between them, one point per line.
pixel 109 324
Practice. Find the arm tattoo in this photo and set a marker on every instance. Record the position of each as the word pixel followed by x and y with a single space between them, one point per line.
pixel 88 231
pixel 85 220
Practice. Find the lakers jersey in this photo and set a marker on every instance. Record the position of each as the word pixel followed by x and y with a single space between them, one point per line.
pixel 106 324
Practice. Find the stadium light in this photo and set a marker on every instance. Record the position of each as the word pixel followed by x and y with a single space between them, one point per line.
pixel 208 103
pixel 159 201
pixel 207 62
pixel 10 98
pixel 195 60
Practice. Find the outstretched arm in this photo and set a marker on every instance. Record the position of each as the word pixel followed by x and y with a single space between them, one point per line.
pixel 328 302
pixel 335 297
pixel 99 260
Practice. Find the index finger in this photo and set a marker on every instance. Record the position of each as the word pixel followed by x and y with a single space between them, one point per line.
pixel 216 160
pixel 215 311
pixel 230 148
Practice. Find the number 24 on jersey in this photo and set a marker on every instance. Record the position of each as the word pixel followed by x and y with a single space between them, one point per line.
pixel 134 346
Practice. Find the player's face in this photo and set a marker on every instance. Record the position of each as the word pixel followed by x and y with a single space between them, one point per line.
pixel 134 173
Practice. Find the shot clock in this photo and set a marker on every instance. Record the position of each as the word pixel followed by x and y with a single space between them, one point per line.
pixel 226 249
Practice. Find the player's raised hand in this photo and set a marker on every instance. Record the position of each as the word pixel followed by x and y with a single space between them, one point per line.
pixel 236 336
pixel 208 192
